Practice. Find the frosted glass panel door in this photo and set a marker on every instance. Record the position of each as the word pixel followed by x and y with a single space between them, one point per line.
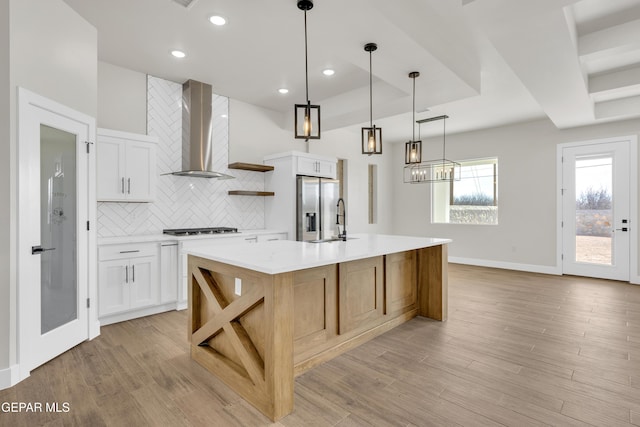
pixel 54 184
pixel 58 229
pixel 596 219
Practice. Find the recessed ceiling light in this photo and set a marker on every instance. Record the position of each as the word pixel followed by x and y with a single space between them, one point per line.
pixel 328 72
pixel 283 91
pixel 217 20
pixel 178 53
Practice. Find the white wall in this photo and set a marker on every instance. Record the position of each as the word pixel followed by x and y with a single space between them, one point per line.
pixel 255 133
pixel 7 272
pixel 527 190
pixel 346 144
pixel 53 52
pixel 184 202
pixel 122 99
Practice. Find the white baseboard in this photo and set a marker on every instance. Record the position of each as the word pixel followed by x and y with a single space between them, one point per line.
pixel 128 315
pixel 531 268
pixel 9 376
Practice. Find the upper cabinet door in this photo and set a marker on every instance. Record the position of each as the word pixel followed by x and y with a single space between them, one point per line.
pixel 111 171
pixel 141 167
pixel 315 167
pixel 126 167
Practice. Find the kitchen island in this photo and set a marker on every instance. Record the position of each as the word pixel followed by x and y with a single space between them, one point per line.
pixel 261 314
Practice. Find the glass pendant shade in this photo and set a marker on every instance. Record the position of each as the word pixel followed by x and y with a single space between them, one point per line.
pixel 307 121
pixel 412 152
pixel 372 140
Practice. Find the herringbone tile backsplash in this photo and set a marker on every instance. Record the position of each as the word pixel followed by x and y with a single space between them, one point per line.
pixel 181 201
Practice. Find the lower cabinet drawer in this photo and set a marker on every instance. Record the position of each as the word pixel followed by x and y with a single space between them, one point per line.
pixel 129 250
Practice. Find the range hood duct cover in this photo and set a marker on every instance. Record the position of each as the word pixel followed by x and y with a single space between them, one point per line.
pixel 197 132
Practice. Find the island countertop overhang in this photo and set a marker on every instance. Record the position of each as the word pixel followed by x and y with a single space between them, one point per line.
pixel 281 256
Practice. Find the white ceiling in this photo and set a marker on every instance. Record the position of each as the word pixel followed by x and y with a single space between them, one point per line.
pixel 482 62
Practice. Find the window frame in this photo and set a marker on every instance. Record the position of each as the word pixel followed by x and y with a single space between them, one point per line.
pixel 451 199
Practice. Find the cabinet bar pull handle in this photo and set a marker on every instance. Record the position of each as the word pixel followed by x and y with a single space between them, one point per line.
pixel 130 252
pixel 128 185
pixel 133 273
pixel 123 185
pixel 126 274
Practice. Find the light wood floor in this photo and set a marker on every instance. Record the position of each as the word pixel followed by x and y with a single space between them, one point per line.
pixel 518 349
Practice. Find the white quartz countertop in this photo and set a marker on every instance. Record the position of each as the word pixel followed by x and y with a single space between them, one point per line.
pixel 281 256
pixel 168 238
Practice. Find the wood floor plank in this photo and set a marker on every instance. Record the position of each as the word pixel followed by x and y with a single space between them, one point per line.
pixel 518 349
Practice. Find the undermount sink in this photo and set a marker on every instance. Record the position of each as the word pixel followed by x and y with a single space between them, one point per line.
pixel 332 239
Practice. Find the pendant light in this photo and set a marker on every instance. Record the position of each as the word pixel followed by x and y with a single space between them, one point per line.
pixel 437 170
pixel 371 136
pixel 413 148
pixel 306 116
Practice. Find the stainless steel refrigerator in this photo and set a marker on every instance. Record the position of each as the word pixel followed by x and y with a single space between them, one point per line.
pixel 316 208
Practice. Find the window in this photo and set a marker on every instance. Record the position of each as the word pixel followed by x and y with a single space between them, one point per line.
pixel 471 200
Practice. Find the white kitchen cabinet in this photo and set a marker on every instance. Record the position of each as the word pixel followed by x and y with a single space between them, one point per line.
pixel 280 210
pixel 126 167
pixel 315 167
pixel 143 284
pixel 127 278
pixel 113 294
pixel 168 272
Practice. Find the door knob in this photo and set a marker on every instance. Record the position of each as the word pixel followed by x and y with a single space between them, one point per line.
pixel 37 250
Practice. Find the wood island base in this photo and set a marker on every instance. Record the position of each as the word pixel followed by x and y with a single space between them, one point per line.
pixel 257 331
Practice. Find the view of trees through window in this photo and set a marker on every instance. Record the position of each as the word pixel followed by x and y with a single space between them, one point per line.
pixel 590 199
pixel 594 213
pixel 471 200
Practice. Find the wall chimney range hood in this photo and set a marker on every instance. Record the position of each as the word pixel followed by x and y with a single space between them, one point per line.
pixel 197 132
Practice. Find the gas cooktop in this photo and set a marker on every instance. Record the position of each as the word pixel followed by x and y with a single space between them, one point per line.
pixel 199 231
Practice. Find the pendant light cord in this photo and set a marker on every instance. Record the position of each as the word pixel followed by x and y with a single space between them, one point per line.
pixel 370 92
pixel 444 141
pixel 444 137
pixel 413 123
pixel 306 62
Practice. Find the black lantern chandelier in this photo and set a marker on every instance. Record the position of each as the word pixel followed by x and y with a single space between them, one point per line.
pixel 307 116
pixel 436 170
pixel 413 148
pixel 371 136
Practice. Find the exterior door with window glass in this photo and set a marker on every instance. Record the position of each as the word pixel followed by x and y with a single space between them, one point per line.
pixel 53 237
pixel 595 205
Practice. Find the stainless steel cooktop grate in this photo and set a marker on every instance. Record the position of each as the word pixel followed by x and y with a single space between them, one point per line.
pixel 199 231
